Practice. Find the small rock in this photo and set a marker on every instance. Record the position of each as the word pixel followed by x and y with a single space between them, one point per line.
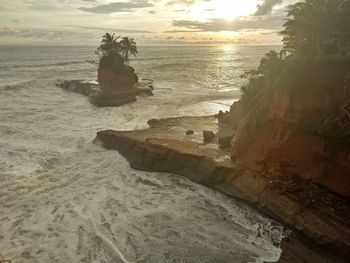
pixel 208 136
pixel 189 132
pixel 26 255
pixel 225 141
pixel 221 113
pixel 144 91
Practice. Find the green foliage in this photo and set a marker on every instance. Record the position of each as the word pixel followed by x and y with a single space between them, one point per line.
pixel 288 70
pixel 317 27
pixel 315 34
pixel 296 69
pixel 128 47
pixel 264 76
pixel 335 125
pixel 115 51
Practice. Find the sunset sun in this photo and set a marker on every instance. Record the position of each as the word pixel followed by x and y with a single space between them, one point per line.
pixel 229 10
pixel 165 131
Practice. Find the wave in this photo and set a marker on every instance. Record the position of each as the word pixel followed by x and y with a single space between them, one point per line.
pixel 49 64
pixel 15 85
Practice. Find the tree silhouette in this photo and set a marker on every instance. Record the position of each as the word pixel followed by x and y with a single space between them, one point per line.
pixel 128 47
pixel 109 43
pixel 265 76
pixel 317 27
pixel 115 50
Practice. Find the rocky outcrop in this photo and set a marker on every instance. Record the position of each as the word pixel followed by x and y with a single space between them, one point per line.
pixel 145 88
pixel 274 133
pixel 309 209
pixel 117 85
pixel 92 89
pixel 84 87
pixel 117 81
pixel 109 100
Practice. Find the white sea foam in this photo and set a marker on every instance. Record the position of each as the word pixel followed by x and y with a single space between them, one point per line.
pixel 65 199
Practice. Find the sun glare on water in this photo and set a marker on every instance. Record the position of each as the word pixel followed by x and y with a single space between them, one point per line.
pixel 224 9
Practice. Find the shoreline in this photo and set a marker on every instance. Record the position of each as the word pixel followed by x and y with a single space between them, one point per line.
pixel 164 147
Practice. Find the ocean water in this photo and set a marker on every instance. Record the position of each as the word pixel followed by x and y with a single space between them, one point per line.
pixel 65 199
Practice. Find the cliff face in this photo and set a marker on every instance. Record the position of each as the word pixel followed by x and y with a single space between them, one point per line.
pixel 122 80
pixel 269 137
pixel 309 209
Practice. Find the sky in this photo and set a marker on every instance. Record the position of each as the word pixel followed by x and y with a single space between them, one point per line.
pixel 148 21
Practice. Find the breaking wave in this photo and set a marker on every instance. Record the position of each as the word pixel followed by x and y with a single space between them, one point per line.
pixel 65 199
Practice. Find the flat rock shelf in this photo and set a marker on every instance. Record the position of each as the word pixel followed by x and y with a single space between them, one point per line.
pixel 92 90
pixel 319 226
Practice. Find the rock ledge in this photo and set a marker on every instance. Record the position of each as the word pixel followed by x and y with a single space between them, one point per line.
pixel 92 89
pixel 165 147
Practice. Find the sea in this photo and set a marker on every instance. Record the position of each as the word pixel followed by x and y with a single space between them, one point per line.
pixel 64 198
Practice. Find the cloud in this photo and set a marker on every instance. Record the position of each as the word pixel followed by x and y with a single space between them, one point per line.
pixel 216 25
pixel 186 2
pixel 111 29
pixel 42 35
pixel 76 20
pixel 181 31
pixel 266 7
pixel 117 7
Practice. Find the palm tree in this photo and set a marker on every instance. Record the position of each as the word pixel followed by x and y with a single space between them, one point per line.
pixel 271 65
pixel 109 43
pixel 114 50
pixel 128 47
pixel 315 26
pixel 109 51
pixel 265 76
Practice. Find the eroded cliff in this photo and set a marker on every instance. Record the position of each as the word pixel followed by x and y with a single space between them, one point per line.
pixel 300 129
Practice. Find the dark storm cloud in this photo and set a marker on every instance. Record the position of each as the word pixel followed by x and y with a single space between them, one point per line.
pixel 216 25
pixel 117 7
pixel 266 7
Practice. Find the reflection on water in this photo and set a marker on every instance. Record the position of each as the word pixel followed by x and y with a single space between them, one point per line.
pixel 65 199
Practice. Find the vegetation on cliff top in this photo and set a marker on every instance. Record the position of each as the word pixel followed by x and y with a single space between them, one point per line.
pixel 114 50
pixel 317 27
pixel 315 33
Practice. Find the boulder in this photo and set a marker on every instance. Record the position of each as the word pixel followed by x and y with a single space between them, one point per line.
pixel 208 135
pixel 189 132
pixel 145 87
pixel 225 141
pixel 147 82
